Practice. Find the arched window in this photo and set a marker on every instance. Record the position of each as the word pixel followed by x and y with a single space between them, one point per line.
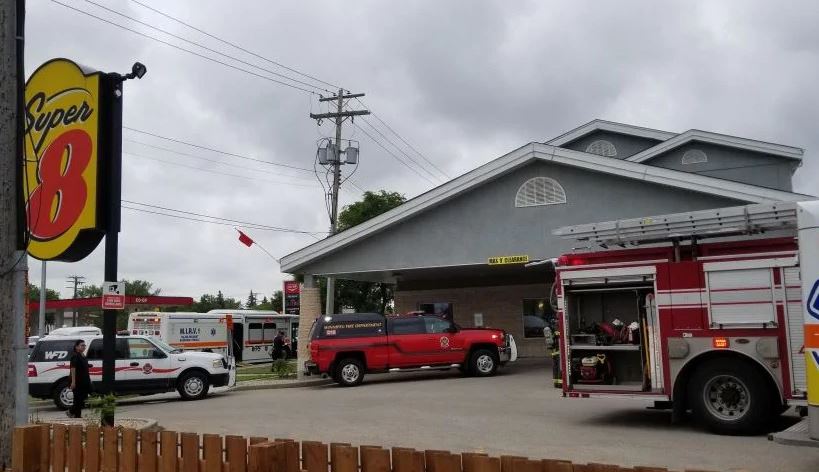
pixel 540 191
pixel 694 156
pixel 601 147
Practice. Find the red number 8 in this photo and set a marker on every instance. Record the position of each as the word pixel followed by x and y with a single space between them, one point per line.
pixel 66 187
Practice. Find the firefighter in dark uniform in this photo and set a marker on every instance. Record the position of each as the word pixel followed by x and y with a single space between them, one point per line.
pixel 80 380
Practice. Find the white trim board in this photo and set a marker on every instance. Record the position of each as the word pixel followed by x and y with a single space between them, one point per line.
pixel 718 139
pixel 523 156
pixel 611 126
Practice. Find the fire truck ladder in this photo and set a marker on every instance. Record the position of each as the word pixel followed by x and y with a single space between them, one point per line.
pixel 747 219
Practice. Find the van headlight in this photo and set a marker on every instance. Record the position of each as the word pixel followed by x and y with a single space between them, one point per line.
pixel 218 363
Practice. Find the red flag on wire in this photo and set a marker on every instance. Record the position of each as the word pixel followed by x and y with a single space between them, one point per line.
pixel 245 239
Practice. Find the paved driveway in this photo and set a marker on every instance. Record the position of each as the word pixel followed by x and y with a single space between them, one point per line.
pixel 517 412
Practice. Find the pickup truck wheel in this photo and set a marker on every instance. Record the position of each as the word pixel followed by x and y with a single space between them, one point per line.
pixel 63 396
pixel 193 386
pixel 349 372
pixel 483 363
pixel 730 397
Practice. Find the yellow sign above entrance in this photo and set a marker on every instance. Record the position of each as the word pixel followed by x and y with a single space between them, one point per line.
pixel 501 260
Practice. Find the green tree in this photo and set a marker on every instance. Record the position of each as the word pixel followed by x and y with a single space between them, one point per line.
pixel 372 205
pixel 90 291
pixel 251 301
pixel 209 302
pixel 365 296
pixel 34 293
pixel 277 301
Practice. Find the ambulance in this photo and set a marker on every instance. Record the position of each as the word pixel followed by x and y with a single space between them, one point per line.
pixel 249 340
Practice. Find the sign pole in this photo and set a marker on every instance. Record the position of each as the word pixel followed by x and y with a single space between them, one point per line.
pixel 112 159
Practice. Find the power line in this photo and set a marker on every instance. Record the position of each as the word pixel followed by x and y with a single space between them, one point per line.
pixel 216 171
pixel 226 153
pixel 224 41
pixel 421 166
pixel 171 17
pixel 219 151
pixel 181 38
pixel 180 217
pixel 153 38
pixel 394 155
pixel 258 225
pixel 406 142
pixel 215 161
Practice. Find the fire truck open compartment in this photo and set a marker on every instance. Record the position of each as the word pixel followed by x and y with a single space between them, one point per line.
pixel 609 329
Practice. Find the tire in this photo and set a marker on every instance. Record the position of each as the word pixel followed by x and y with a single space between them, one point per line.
pixel 730 397
pixel 62 395
pixel 349 372
pixel 483 363
pixel 193 385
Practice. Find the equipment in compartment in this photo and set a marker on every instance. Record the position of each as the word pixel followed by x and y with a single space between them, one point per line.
pixel 607 327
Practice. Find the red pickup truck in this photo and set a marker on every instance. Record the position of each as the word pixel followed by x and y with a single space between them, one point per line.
pixel 347 346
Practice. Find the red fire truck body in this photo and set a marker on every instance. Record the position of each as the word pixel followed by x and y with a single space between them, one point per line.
pixel 713 327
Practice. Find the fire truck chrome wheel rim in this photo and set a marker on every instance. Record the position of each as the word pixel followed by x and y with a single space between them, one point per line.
pixel 67 396
pixel 727 397
pixel 485 364
pixel 350 373
pixel 194 386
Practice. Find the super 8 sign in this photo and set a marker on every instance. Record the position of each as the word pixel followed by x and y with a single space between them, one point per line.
pixel 64 113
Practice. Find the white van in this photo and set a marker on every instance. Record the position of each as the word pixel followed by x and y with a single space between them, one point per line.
pixel 143 366
pixel 251 339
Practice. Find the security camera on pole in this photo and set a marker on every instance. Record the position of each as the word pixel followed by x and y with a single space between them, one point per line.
pixel 330 155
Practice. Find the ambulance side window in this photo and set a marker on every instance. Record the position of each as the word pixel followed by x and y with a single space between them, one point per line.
pixel 270 331
pixel 255 332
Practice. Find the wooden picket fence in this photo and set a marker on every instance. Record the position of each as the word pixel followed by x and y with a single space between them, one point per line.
pixel 41 448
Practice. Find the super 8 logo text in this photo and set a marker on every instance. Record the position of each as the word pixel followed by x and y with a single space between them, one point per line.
pixel 62 123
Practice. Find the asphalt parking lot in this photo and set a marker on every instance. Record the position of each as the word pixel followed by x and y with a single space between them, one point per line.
pixel 517 412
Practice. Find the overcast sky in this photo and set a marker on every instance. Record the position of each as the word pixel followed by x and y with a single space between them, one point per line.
pixel 462 81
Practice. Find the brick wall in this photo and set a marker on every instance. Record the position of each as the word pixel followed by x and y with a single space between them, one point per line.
pixel 309 310
pixel 501 306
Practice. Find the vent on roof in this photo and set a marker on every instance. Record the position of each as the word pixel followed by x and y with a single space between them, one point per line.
pixel 694 156
pixel 540 191
pixel 601 147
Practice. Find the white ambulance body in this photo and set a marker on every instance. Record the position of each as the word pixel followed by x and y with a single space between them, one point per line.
pixel 252 334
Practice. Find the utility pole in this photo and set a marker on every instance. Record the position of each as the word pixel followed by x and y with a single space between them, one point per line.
pixel 338 117
pixel 76 280
pixel 13 258
pixel 43 300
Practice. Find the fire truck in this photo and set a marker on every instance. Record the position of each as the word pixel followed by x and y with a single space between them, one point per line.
pixel 699 311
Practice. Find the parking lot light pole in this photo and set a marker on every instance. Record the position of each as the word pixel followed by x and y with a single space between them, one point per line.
pixel 113 159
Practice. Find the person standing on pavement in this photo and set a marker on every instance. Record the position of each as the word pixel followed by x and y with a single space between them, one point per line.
pixel 80 379
pixel 278 346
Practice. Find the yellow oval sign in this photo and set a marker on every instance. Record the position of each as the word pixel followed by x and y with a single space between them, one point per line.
pixel 62 124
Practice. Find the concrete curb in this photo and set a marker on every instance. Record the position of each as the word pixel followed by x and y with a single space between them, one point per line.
pixel 145 423
pixel 275 386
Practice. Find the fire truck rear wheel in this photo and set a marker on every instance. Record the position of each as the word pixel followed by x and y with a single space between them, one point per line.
pixel 483 363
pixel 730 397
pixel 349 372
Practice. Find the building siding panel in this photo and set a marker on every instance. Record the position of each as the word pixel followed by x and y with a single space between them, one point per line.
pixel 484 222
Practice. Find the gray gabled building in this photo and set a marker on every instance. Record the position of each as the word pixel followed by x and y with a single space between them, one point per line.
pixel 437 247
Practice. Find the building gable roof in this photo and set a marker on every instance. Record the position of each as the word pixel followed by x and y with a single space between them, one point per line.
pixel 522 156
pixel 719 139
pixel 603 125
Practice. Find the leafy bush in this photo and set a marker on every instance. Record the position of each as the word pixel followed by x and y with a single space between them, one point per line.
pixel 283 369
